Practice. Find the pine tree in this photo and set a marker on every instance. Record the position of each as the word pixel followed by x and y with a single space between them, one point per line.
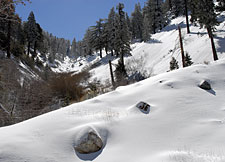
pixel 74 48
pixel 87 44
pixel 205 15
pixel 128 21
pixel 153 11
pixel 31 31
pixel 178 7
pixel 188 60
pixel 146 33
pixel 97 36
pixel 122 36
pixel 221 5
pixel 173 64
pixel 111 29
pixel 137 23
pixel 39 38
pixel 105 36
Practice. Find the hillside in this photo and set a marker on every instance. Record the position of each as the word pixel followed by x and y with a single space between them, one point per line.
pixel 185 123
pixel 153 57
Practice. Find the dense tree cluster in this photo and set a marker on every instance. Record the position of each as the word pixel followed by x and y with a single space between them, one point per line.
pixel 26 38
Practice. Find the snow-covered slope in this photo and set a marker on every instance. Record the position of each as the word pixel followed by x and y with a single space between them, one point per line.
pixel 154 56
pixel 185 123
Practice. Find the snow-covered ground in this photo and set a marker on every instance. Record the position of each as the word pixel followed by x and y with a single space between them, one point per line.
pixel 154 56
pixel 185 123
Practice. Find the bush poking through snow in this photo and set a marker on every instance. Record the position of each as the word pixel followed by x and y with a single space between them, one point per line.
pixel 69 86
pixel 173 64
pixel 136 69
pixel 188 60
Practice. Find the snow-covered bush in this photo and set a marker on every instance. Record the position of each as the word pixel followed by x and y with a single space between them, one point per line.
pixel 136 69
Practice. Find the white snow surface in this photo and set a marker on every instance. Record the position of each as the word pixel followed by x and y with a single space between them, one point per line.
pixel 185 123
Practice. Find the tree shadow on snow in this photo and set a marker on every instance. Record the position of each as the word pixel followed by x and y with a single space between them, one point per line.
pixel 173 27
pixel 152 41
pixel 221 44
pixel 212 92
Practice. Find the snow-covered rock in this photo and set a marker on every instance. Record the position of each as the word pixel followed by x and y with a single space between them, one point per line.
pixel 205 85
pixel 89 142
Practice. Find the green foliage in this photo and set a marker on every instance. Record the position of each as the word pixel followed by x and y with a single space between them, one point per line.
pixel 188 60
pixel 17 49
pixel 137 22
pixel 173 64
pixel 203 12
pixel 120 74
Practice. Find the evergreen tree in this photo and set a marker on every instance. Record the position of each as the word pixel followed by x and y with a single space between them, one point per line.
pixel 178 7
pixel 128 21
pixel 153 11
pixel 146 33
pixel 31 31
pixel 87 44
pixel 97 36
pixel 173 64
pixel 105 36
pixel 204 14
pixel 74 48
pixel 111 29
pixel 221 5
pixel 8 21
pixel 137 23
pixel 188 60
pixel 122 36
pixel 39 38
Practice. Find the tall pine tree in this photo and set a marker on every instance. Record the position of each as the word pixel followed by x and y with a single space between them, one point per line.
pixel 137 23
pixel 206 16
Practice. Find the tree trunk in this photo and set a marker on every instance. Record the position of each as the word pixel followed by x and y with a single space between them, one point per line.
pixel 215 57
pixel 186 13
pixel 181 47
pixel 122 62
pixel 9 39
pixel 28 49
pixel 170 5
pixel 35 46
pixel 100 53
pixel 111 52
pixel 111 73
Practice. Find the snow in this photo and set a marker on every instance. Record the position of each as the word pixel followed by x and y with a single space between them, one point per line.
pixel 185 123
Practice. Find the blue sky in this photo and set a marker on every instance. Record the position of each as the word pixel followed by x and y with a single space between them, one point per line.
pixel 71 18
